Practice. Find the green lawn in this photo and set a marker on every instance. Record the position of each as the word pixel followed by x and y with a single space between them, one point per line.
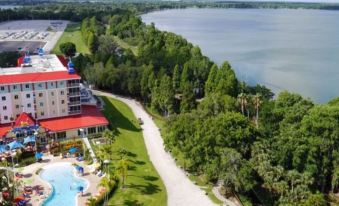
pixel 143 184
pixel 72 34
pixel 125 45
pixel 199 180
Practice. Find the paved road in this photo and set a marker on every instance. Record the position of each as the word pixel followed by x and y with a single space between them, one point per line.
pixel 180 190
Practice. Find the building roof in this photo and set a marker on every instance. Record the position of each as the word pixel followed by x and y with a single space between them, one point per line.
pixel 42 69
pixel 4 129
pixel 36 77
pixel 24 120
pixel 90 117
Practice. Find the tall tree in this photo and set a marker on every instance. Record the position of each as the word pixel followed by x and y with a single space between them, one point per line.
pixel 210 84
pixel 257 103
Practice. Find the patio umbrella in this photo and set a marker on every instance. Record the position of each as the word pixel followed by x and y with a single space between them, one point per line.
pixel 72 150
pixel 29 139
pixel 80 188
pixel 15 145
pixel 3 148
pixel 39 155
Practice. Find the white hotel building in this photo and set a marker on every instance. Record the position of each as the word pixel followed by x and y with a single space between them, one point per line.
pixel 47 89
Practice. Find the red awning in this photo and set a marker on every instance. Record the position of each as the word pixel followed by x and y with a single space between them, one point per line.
pixel 24 120
pixel 90 117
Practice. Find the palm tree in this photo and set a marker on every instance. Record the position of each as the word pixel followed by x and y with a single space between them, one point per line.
pixel 257 103
pixel 241 100
pixel 109 135
pixel 122 170
pixel 91 201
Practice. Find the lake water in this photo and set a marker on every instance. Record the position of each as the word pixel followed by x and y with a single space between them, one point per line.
pixel 296 50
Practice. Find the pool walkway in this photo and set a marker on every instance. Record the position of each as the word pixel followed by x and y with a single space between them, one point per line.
pixel 32 178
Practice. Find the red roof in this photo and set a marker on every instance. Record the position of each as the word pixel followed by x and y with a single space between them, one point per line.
pixel 90 117
pixel 37 77
pixel 4 129
pixel 24 120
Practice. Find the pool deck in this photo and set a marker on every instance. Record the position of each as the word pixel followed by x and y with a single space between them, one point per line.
pixel 30 175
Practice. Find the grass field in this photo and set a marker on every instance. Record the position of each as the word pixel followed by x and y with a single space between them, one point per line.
pixel 72 34
pixel 125 45
pixel 143 184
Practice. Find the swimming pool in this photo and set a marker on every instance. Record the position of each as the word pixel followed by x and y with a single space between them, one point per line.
pixel 65 184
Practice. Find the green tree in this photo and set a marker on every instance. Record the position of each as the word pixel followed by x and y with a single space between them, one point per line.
pixel 226 80
pixel 211 82
pixel 68 49
pixel 176 78
pixel 122 169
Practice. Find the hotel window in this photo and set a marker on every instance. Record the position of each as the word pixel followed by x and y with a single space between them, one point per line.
pixel 28 95
pixel 27 86
pixel 3 98
pixel 16 96
pixel 52 93
pixel 42 113
pixel 41 104
pixel 61 135
pixel 17 106
pixel 91 130
pixel 62 101
pixel 62 92
pixel 40 94
pixel 2 88
pixel 52 102
pixel 5 117
pixel 14 86
pixel 29 105
pixel 4 108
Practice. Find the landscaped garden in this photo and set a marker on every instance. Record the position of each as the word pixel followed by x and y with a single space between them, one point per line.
pixel 137 182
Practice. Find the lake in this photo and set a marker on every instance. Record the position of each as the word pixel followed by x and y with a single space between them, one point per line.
pixel 295 50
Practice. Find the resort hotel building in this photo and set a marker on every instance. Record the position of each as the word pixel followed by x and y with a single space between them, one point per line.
pixel 44 94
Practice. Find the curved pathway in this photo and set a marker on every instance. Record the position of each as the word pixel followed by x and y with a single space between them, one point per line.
pixel 180 190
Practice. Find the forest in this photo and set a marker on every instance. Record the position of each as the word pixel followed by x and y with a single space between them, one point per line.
pixel 270 151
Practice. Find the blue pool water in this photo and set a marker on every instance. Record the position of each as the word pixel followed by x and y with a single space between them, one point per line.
pixel 65 184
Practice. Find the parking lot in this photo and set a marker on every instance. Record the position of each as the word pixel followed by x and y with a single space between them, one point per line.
pixel 30 34
pixel 15 45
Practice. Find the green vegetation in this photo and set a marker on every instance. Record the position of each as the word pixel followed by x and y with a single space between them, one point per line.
pixel 9 59
pixel 72 34
pixel 142 184
pixel 269 152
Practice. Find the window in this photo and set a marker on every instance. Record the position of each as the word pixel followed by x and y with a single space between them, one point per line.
pixel 61 83
pixel 28 95
pixel 40 85
pixel 14 86
pixel 4 108
pixel 3 98
pixel 17 106
pixel 52 93
pixel 63 111
pixel 41 104
pixel 16 96
pixel 27 86
pixel 5 117
pixel 92 130
pixel 2 88
pixel 101 128
pixel 61 135
pixel 29 105
pixel 52 102
pixel 62 92
pixel 40 94
pixel 42 113
pixel 62 101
